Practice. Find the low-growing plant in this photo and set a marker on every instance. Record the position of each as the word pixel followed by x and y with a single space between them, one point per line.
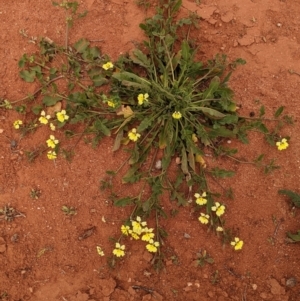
pixel 295 199
pixel 164 107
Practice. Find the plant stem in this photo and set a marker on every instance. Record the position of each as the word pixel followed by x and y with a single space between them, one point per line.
pixel 38 90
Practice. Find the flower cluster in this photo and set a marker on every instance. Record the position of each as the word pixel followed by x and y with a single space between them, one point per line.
pixel 138 230
pixel 283 144
pixel 52 142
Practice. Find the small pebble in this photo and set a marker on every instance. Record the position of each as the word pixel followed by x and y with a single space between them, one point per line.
pixel 158 164
pixel 187 236
pixel 291 282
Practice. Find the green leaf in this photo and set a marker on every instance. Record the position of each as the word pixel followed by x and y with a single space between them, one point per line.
pixel 191 159
pixel 181 201
pixel 229 119
pixel 81 45
pixel 295 197
pixel 50 100
pixel 221 132
pixel 131 176
pixel 185 50
pixel 124 202
pixel 140 58
pixel 36 109
pixel 118 140
pixel 213 87
pixel 176 7
pixel 294 237
pixel 28 76
pixel 259 158
pixel 279 111
pixel 144 125
pixel 184 162
pixel 211 112
pixel 99 125
pixel 222 173
pixel 135 155
pixel 262 111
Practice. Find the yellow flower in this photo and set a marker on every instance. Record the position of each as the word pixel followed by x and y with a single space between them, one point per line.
pixel 134 235
pixel 219 229
pixel 133 135
pixel 148 234
pixel 100 251
pixel 51 142
pixel 51 155
pixel 200 199
pixel 52 126
pixel 62 116
pixel 17 124
pixel 125 230
pixel 218 208
pixel 152 246
pixel 283 144
pixel 194 138
pixel 44 118
pixel 119 250
pixel 111 104
pixel 237 243
pixel 142 98
pixel 203 218
pixel 137 225
pixel 176 115
pixel 108 65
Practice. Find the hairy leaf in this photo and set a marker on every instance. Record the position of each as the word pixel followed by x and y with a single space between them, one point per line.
pixel 295 197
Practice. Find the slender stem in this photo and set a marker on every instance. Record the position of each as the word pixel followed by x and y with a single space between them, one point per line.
pixel 38 90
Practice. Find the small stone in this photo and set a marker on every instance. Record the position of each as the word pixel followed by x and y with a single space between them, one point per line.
pixel 131 291
pixel 187 236
pixel 147 298
pixel 291 282
pixel 2 248
pixel 211 294
pixel 107 286
pixel 14 238
pixel 276 288
pixel 263 295
pixel 227 17
pixel 254 286
pixel 177 160
pixel 157 296
pixel 158 164
pixel 279 24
